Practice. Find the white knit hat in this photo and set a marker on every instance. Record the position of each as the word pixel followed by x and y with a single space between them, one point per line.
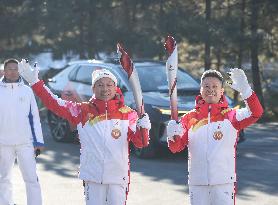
pixel 102 73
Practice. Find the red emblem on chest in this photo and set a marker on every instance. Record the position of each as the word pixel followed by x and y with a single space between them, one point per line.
pixel 116 133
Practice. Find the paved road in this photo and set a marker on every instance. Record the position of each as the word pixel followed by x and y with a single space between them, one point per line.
pixel 161 181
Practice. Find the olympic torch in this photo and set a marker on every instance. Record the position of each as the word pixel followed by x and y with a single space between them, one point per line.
pixel 133 79
pixel 171 70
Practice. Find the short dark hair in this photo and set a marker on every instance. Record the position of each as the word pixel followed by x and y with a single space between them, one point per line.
pixel 10 60
pixel 213 73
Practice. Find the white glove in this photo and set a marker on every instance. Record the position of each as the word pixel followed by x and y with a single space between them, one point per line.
pixel 144 121
pixel 174 129
pixel 240 83
pixel 27 72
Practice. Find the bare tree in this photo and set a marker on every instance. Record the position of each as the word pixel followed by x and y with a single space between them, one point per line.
pixel 241 39
pixel 255 7
pixel 207 38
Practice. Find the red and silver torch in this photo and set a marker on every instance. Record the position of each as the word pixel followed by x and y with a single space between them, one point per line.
pixel 171 70
pixel 133 79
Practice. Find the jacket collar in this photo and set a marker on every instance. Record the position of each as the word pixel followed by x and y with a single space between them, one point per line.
pixel 202 106
pixel 4 83
pixel 109 106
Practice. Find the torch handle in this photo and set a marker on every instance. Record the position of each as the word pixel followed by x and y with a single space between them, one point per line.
pixel 144 135
pixel 133 78
pixel 171 69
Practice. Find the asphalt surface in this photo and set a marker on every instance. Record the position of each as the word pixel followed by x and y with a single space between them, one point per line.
pixel 160 181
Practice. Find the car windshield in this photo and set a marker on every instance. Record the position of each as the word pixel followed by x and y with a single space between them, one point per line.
pixel 154 78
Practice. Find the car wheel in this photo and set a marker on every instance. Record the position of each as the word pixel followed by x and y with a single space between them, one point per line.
pixel 60 128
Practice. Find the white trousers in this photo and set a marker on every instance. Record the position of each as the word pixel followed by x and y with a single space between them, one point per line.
pixel 27 164
pixel 105 194
pixel 223 194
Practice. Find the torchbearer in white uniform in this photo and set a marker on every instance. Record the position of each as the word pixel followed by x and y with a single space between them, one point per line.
pixel 105 126
pixel 210 132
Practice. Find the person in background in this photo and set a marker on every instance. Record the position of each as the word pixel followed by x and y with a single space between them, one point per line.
pixel 20 135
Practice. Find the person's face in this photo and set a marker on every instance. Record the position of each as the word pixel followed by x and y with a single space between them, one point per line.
pixel 104 89
pixel 211 90
pixel 11 72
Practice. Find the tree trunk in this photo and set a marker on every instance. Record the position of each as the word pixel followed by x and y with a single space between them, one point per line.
pixel 82 42
pixel 207 38
pixel 91 30
pixel 218 58
pixel 241 41
pixel 128 26
pixel 161 20
pixel 255 6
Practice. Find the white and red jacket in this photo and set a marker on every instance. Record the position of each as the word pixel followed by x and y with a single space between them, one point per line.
pixel 19 115
pixel 211 137
pixel 105 129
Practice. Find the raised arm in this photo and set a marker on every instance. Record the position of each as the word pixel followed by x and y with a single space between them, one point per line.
pixel 250 114
pixel 65 109
pixel 253 110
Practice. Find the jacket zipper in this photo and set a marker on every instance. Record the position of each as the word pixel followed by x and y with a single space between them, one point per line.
pixel 104 134
pixel 208 131
pixel 106 110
